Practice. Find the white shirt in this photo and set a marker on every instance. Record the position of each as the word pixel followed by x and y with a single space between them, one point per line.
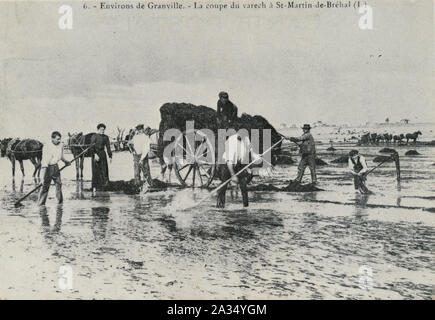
pixel 51 154
pixel 237 150
pixel 141 143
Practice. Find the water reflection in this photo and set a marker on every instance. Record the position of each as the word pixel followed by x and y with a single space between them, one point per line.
pixel 102 196
pixel 79 194
pixel 100 218
pixel 43 212
pixel 361 200
pixel 309 196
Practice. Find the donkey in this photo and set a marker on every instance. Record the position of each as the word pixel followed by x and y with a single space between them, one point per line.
pixel 412 136
pixel 77 143
pixel 26 149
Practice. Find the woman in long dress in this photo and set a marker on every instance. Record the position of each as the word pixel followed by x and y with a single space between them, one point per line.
pixel 100 168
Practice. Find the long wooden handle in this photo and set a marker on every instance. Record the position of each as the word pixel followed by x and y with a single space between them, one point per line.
pixel 236 174
pixel 381 163
pixel 40 185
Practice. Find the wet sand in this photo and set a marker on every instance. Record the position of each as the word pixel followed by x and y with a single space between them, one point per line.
pixel 333 244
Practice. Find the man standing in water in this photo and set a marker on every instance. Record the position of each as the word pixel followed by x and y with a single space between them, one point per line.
pixel 358 166
pixel 236 157
pixel 100 168
pixel 140 147
pixel 307 149
pixel 52 153
pixel 226 110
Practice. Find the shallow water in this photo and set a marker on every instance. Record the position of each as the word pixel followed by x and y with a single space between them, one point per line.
pixel 331 244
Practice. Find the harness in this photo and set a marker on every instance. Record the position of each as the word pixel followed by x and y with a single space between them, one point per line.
pixel 74 142
pixel 13 145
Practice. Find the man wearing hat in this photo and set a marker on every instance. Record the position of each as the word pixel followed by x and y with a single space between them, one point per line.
pixel 100 169
pixel 140 146
pixel 357 167
pixel 307 149
pixel 226 110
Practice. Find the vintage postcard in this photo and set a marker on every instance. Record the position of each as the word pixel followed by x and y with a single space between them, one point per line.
pixel 216 149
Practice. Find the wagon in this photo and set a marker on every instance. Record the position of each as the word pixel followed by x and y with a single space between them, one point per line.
pixel 195 164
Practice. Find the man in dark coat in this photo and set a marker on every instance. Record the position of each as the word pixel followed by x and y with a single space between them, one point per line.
pixel 100 169
pixel 226 110
pixel 307 149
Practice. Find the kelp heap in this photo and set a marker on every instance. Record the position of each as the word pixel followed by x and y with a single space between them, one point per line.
pixel 131 187
pixel 293 186
pixel 175 115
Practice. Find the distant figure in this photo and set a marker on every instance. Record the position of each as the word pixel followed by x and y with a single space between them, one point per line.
pixel 358 166
pixel 226 110
pixel 307 149
pixel 140 147
pixel 52 153
pixel 100 168
pixel 236 156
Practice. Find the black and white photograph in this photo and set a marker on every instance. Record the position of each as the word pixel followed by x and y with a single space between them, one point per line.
pixel 217 150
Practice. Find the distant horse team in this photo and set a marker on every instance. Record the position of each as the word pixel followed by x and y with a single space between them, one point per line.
pixel 375 138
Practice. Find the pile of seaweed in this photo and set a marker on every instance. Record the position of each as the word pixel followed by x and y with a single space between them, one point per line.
pixel 249 122
pixel 320 162
pixel 412 153
pixel 283 159
pixel 383 159
pixel 131 187
pixel 387 150
pixel 293 186
pixel 175 115
pixel 342 159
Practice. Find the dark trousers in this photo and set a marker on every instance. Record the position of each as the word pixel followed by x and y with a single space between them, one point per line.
pixel 100 171
pixel 359 184
pixel 143 167
pixel 310 161
pixel 52 173
pixel 224 174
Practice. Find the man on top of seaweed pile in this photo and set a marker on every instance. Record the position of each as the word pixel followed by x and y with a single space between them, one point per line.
pixel 226 110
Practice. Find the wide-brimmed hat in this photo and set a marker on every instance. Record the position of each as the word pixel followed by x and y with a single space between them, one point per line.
pixel 139 127
pixel 306 126
pixel 101 125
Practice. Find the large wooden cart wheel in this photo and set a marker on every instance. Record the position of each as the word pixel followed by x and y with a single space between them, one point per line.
pixel 197 165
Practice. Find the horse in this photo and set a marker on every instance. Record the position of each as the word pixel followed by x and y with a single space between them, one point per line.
pixel 412 136
pixel 373 138
pixel 26 149
pixel 388 137
pixel 380 138
pixel 77 143
pixel 398 138
pixel 365 138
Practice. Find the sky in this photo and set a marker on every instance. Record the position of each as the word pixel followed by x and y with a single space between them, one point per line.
pixel 291 66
